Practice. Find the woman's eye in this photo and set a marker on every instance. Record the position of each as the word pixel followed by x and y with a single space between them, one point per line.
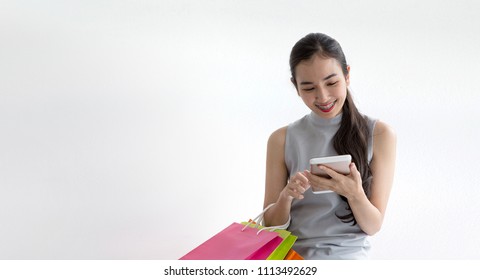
pixel 332 84
pixel 308 89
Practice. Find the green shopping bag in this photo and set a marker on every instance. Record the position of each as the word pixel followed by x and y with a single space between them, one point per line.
pixel 282 250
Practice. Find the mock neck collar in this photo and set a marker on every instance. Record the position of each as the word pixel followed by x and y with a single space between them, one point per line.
pixel 317 120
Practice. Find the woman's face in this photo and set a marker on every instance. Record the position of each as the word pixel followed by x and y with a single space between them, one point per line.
pixel 322 85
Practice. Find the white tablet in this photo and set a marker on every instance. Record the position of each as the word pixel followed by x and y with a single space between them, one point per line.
pixel 340 164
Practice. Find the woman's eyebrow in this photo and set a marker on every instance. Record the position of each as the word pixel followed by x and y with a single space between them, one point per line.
pixel 326 78
pixel 329 76
pixel 306 83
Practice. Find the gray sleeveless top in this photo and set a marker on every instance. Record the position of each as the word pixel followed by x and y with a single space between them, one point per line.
pixel 321 234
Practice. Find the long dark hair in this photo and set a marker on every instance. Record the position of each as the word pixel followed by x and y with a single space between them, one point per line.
pixel 353 134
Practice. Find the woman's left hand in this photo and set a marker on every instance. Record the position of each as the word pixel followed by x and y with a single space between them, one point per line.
pixel 348 186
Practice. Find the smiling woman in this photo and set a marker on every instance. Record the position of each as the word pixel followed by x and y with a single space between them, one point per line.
pixel 330 225
pixel 322 85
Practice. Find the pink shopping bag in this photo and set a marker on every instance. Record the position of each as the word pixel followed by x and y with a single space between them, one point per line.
pixel 234 244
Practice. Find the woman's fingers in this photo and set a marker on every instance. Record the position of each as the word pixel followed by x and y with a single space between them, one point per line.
pixel 298 185
pixel 355 173
pixel 316 180
pixel 330 172
pixel 301 179
pixel 297 190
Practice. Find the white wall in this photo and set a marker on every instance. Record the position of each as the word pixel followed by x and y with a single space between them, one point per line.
pixel 137 129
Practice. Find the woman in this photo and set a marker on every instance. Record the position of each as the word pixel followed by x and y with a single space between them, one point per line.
pixel 332 225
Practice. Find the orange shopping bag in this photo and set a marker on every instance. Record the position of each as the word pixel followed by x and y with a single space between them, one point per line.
pixel 293 255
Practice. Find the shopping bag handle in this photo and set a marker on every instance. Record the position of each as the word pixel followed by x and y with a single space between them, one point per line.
pixel 259 220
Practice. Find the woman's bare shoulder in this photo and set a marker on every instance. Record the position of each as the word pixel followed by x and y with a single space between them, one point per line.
pixel 277 138
pixel 383 130
pixel 385 139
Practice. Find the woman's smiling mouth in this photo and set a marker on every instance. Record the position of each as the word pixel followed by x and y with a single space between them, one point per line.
pixel 326 108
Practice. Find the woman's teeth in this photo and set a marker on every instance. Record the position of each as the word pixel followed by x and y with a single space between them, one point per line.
pixel 327 107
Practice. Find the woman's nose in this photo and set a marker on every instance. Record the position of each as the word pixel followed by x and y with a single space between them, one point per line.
pixel 320 96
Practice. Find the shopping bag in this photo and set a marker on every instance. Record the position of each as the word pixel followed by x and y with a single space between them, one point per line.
pixel 282 250
pixel 287 241
pixel 293 255
pixel 236 242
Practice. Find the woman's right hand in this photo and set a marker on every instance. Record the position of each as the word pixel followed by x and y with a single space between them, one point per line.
pixel 296 186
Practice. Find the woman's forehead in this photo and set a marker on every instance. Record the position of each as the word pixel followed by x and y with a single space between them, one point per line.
pixel 318 67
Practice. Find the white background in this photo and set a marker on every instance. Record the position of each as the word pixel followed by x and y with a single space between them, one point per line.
pixel 138 129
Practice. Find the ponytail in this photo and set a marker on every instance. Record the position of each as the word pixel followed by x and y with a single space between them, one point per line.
pixel 352 138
